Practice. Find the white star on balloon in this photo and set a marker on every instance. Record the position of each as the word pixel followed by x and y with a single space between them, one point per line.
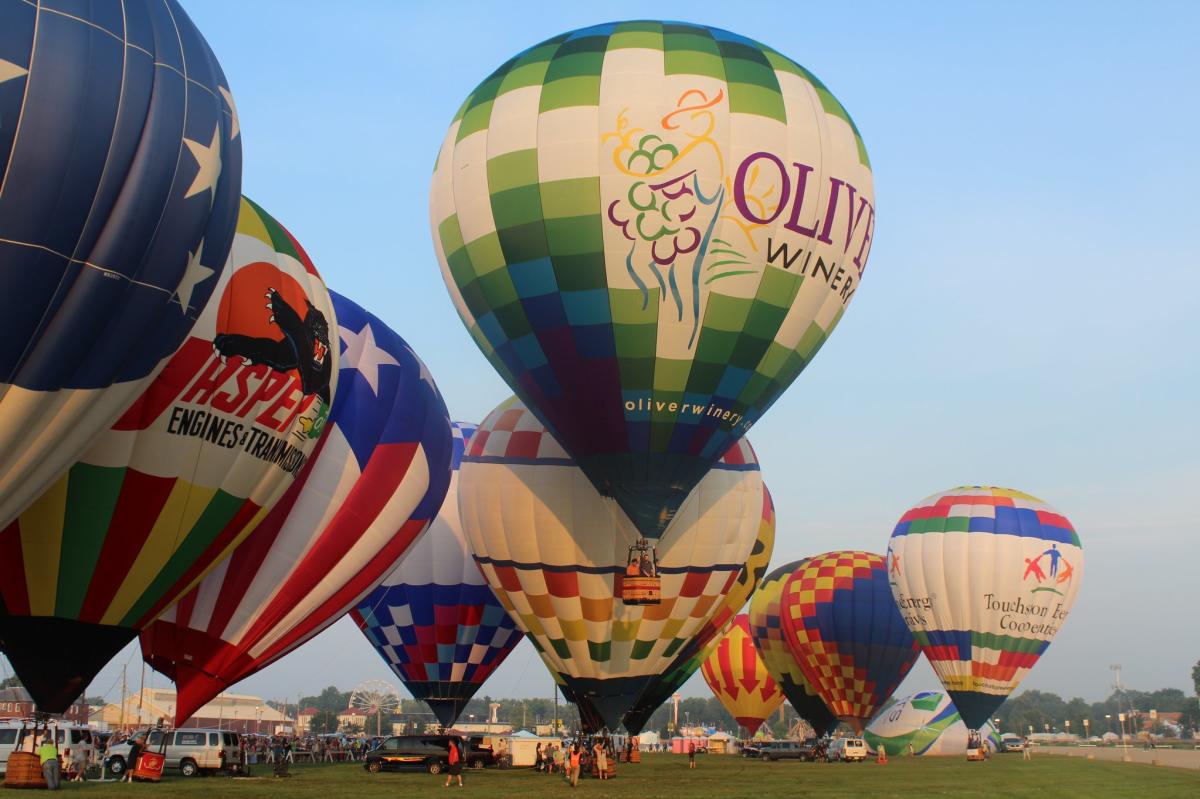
pixel 195 273
pixel 9 70
pixel 235 126
pixel 364 356
pixel 208 158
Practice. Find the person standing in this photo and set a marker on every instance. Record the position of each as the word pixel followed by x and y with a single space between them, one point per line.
pixel 538 762
pixel 48 755
pixel 79 762
pixel 455 759
pixel 1027 750
pixel 576 754
pixel 691 754
pixel 560 761
pixel 601 760
pixel 135 753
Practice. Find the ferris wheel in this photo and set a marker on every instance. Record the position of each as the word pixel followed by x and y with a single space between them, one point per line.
pixel 376 698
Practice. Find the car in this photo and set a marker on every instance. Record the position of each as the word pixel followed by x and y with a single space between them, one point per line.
pixel 848 750
pixel 752 749
pixel 192 751
pixel 781 750
pixel 1011 743
pixel 412 752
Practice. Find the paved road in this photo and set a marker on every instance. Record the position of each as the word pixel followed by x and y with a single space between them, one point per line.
pixel 1179 758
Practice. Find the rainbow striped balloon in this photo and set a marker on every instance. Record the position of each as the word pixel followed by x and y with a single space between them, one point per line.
pixel 182 477
pixel 985 578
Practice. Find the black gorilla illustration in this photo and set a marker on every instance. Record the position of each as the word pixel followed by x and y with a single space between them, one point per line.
pixel 298 349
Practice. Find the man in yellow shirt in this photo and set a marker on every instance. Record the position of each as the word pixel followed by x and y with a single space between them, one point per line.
pixel 48 754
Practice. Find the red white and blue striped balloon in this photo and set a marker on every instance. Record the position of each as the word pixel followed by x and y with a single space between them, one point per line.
pixel 376 481
pixel 434 620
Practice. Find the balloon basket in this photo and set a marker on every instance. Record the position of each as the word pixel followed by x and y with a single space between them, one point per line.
pixel 150 767
pixel 24 771
pixel 976 755
pixel 641 591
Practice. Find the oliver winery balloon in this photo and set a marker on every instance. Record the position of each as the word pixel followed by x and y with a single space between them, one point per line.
pixel 650 229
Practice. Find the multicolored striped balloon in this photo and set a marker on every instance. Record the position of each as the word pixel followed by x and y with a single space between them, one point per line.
pixel 985 578
pixel 650 229
pixel 737 677
pixel 434 620
pixel 370 490
pixel 555 553
pixel 182 477
pixel 766 628
pixel 688 661
pixel 846 634
pixel 925 723
pixel 120 173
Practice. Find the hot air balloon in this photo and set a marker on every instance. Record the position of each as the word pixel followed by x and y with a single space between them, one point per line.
pixel 766 628
pixel 738 678
pixel 553 550
pixel 182 477
pixel 371 488
pixel 689 659
pixel 649 229
pixel 845 633
pixel 929 723
pixel 120 173
pixel 984 578
pixel 434 620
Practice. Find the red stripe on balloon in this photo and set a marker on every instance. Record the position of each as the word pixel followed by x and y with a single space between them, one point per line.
pixel 138 506
pixel 13 589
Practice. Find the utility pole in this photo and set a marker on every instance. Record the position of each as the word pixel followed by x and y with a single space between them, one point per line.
pixel 554 729
pixel 1116 668
pixel 121 724
pixel 141 693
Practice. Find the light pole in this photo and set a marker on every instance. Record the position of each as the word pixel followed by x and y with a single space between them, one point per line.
pixel 1067 723
pixel 1108 721
pixel 258 721
pixel 1087 728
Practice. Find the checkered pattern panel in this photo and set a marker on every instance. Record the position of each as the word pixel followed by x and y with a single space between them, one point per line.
pixel 845 632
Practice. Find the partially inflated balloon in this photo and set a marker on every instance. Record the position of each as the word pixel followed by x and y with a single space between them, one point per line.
pixel 182 477
pixel 738 678
pixel 926 723
pixel 650 229
pixel 555 553
pixel 766 627
pixel 434 620
pixel 370 490
pixel 845 632
pixel 985 577
pixel 699 648
pixel 120 172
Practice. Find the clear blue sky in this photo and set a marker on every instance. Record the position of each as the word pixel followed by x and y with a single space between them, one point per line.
pixel 1028 317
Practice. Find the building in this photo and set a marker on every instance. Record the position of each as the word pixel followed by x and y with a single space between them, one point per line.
pixel 16 703
pixel 238 712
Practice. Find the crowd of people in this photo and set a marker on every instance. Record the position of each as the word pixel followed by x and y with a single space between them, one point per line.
pixel 583 755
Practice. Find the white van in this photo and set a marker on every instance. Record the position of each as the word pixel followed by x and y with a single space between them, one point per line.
pixel 848 750
pixel 192 751
pixel 15 736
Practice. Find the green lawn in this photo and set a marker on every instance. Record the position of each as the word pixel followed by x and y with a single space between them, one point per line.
pixel 667 777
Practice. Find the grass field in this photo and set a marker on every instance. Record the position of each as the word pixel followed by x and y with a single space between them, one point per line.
pixel 667 777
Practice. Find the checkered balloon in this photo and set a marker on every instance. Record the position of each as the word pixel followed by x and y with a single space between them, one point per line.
pixel 650 229
pixel 846 633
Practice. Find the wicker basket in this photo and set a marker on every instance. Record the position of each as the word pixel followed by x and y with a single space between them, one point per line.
pixel 24 771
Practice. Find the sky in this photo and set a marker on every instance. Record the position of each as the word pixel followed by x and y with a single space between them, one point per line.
pixel 1028 318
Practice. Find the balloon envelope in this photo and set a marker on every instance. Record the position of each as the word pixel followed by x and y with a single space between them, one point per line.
pixel 650 229
pixel 119 185
pixel 984 577
pixel 371 488
pixel 846 633
pixel 737 677
pixel 181 478
pixel 699 648
pixel 434 620
pixel 555 553
pixel 929 723
pixel 766 628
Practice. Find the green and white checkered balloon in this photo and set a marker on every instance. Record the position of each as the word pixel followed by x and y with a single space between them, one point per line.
pixel 650 229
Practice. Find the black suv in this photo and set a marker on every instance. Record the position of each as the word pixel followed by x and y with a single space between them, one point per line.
pixel 419 752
